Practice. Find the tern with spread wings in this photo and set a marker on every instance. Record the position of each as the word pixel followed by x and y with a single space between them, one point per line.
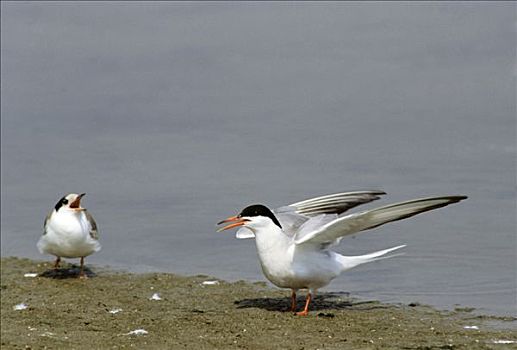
pixel 294 242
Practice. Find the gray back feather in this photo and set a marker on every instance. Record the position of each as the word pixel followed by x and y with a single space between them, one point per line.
pixel 46 221
pixel 93 230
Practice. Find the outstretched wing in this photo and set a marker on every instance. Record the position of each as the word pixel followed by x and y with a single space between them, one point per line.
pixel 301 216
pixel 293 216
pixel 353 223
pixel 93 225
pixel 336 203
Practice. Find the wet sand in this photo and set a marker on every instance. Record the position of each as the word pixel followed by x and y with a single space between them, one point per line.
pixel 60 311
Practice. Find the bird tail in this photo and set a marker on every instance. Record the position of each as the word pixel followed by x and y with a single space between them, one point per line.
pixel 349 262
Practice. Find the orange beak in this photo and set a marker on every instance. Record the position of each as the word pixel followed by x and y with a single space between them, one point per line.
pixel 77 203
pixel 237 221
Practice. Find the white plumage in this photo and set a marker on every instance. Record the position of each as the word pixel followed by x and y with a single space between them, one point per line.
pixel 69 231
pixel 293 242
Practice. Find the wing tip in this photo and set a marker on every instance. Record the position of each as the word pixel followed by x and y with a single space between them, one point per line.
pixel 454 199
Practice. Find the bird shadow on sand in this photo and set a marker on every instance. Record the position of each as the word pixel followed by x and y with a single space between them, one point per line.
pixel 324 301
pixel 67 272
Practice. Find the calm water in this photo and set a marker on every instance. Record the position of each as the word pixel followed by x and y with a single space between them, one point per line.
pixel 172 116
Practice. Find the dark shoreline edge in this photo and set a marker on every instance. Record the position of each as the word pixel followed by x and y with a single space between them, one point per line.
pixel 65 312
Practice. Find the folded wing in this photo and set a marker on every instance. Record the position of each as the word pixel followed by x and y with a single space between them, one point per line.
pixel 93 225
pixel 353 223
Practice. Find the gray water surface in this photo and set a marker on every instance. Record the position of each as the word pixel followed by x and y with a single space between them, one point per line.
pixel 173 116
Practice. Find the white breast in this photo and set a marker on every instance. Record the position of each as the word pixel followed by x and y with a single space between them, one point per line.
pixel 287 265
pixel 68 235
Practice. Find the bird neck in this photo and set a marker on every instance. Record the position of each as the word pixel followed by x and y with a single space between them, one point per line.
pixel 270 237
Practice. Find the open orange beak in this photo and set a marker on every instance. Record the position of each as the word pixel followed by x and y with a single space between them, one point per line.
pixel 77 203
pixel 237 221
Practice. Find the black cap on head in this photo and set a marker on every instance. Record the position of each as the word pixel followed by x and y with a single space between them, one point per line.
pixel 260 210
pixel 62 201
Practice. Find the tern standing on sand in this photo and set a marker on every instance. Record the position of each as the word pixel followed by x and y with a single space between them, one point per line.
pixel 293 242
pixel 69 231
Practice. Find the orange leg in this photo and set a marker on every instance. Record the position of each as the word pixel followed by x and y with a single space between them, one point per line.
pixel 81 273
pixel 305 311
pixel 56 264
pixel 293 301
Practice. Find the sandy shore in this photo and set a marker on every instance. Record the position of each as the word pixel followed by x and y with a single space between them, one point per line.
pixel 56 310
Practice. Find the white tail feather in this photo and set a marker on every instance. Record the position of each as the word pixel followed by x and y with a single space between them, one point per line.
pixel 349 262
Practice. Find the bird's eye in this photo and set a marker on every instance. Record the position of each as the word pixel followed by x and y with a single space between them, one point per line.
pixel 65 201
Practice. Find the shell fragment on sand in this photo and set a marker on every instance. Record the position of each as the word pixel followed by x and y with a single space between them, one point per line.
pixel 47 334
pixel 30 274
pixel 210 283
pixel 502 341
pixel 137 332
pixel 21 306
pixel 155 296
